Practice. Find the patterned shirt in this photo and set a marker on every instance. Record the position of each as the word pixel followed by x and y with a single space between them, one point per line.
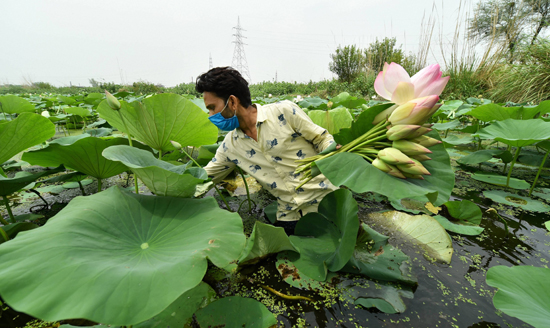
pixel 285 134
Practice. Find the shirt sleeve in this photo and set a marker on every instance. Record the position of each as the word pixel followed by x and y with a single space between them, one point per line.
pixel 319 137
pixel 220 166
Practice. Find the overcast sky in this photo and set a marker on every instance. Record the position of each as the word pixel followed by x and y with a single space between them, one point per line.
pixel 170 42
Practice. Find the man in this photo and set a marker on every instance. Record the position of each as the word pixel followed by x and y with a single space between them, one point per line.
pixel 264 141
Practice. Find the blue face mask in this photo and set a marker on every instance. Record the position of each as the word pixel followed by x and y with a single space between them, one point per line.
pixel 225 124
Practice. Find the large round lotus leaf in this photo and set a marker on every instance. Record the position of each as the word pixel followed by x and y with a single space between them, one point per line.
pixel 313 103
pixel 162 178
pixel 464 210
pixel 494 112
pixel 294 277
pixel 446 126
pixel 419 229
pixel 377 259
pixel 236 311
pixel 525 203
pixel 361 125
pixel 354 172
pixel 346 100
pixel 161 118
pixel 82 154
pixel 333 120
pixel 27 130
pixel 484 155
pixel 117 258
pixel 10 185
pixel 179 313
pixel 500 180
pixel 326 239
pixel 80 111
pixel 517 133
pixel 264 240
pixel 523 292
pixel 455 141
pixel 13 104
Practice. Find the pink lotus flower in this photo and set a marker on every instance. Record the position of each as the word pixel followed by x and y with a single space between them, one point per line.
pixel 415 112
pixel 395 84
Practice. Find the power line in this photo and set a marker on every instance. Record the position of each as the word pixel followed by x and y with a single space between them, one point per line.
pixel 239 58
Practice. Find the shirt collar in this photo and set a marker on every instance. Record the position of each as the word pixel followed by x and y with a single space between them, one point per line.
pixel 260 118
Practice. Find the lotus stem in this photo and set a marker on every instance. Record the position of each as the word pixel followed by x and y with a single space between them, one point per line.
pixel 5 236
pixel 7 203
pixel 40 196
pixel 512 167
pixel 131 145
pixel 285 296
pixel 366 157
pixel 247 191
pixel 303 183
pixel 190 157
pixel 81 188
pixel 223 198
pixel 98 185
pixel 368 142
pixel 492 210
pixel 4 222
pixel 538 173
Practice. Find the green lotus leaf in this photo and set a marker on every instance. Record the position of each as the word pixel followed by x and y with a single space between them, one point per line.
pixel 547 225
pixel 361 125
pixel 13 229
pixel 82 154
pixel 179 313
pixel 264 240
pixel 377 259
pixel 344 99
pixel 117 258
pixel 161 118
pixel 313 103
pixel 294 277
pixel 423 230
pixel 333 120
pixel 464 210
pixel 410 205
pixel 385 296
pixel 499 180
pixel 200 103
pixel 356 173
pixel 10 185
pixel 28 217
pixel 481 156
pixel 334 229
pixel 542 193
pixel 162 178
pixel 66 100
pixel 455 141
pixel 236 311
pixel 27 130
pixel 13 104
pixel 80 111
pixel 507 198
pixel 463 229
pixel 98 133
pixel 494 112
pixel 526 299
pixel 206 153
pixel 517 133
pixel 73 184
pixel 446 126
pixel 271 212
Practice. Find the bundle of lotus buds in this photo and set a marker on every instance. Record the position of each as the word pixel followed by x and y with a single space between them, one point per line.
pixel 397 143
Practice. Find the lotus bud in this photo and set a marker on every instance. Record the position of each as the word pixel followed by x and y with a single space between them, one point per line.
pixel 421 158
pixel 396 173
pixel 425 141
pixel 415 168
pixel 397 132
pixel 418 132
pixel 381 165
pixel 384 114
pixel 112 101
pixel 416 111
pixel 394 156
pixel 413 176
pixel 176 145
pixel 410 148
pixel 427 125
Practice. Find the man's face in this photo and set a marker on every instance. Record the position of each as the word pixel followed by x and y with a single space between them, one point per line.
pixel 214 104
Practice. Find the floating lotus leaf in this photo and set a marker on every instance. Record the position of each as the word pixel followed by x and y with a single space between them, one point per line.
pixel 333 120
pixel 334 231
pixel 98 133
pixel 542 193
pixel 485 155
pixel 10 185
pixel 161 118
pixel 423 230
pixel 507 198
pixel 356 173
pixel 446 126
pixel 66 100
pixel 236 311
pixel 517 133
pixel 162 178
pixel 523 292
pixel 500 180
pixel 455 141
pixel 463 229
pixel 464 210
pixel 80 111
pixel 82 153
pixel 409 205
pixel 12 104
pixel 294 277
pixel 547 225
pixel 264 240
pixel 376 259
pixel 27 130
pixel 117 258
pixel 386 297
pixel 179 313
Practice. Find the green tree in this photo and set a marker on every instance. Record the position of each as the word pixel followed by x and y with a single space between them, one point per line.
pixel 384 51
pixel 540 16
pixel 347 63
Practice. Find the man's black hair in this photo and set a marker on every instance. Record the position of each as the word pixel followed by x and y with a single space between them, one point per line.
pixel 224 82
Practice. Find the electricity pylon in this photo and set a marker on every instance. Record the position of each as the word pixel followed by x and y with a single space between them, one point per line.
pixel 239 58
